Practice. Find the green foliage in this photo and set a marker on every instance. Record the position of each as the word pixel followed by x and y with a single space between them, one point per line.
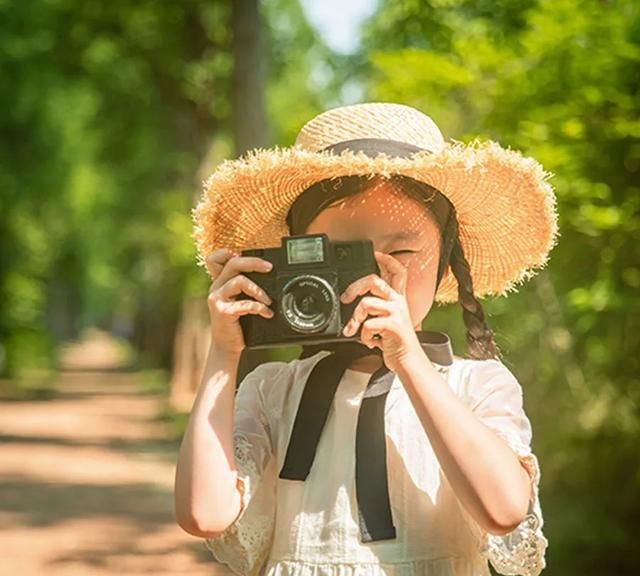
pixel 112 116
pixel 107 111
pixel 559 80
pixel 304 75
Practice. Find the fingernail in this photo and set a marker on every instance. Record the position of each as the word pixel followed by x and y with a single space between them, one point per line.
pixel 268 265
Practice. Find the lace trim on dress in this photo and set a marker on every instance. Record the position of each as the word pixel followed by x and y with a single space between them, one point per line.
pixel 520 552
pixel 442 566
pixel 244 546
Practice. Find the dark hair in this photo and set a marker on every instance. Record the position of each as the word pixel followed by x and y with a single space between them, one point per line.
pixel 479 336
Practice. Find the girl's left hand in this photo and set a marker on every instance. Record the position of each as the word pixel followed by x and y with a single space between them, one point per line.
pixel 388 306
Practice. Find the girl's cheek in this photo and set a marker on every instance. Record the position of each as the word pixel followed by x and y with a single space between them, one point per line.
pixel 425 262
pixel 421 275
pixel 417 278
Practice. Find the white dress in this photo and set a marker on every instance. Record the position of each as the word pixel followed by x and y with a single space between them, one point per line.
pixel 310 528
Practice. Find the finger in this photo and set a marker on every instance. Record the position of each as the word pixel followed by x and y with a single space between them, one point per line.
pixel 371 283
pixel 241 284
pixel 243 307
pixel 238 264
pixel 396 272
pixel 367 306
pixel 374 330
pixel 216 260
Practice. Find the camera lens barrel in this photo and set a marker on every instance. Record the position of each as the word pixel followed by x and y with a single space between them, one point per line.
pixel 308 303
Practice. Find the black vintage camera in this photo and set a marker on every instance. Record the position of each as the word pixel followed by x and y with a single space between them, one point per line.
pixel 309 274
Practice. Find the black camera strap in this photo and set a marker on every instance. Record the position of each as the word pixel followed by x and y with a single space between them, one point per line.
pixel 372 494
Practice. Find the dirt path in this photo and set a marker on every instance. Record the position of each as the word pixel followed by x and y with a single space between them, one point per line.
pixel 86 480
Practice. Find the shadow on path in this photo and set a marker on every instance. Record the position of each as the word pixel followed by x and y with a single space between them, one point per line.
pixel 86 481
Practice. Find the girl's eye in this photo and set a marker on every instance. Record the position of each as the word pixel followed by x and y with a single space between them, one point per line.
pixel 402 252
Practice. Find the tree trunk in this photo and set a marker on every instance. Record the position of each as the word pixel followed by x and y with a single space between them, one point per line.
pixel 248 84
pixel 249 125
pixel 190 351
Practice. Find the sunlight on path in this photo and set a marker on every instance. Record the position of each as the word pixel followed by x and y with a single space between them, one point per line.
pixel 86 478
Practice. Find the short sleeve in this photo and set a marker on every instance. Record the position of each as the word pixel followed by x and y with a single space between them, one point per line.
pixel 494 394
pixel 245 544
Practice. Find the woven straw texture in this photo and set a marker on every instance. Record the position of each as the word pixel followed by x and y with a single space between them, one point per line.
pixel 505 205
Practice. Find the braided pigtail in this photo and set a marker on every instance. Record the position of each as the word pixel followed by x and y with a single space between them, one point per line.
pixel 479 335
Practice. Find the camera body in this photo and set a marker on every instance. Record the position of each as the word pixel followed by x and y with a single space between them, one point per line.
pixel 309 274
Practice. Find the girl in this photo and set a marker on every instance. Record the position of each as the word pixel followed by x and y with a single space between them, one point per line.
pixel 388 454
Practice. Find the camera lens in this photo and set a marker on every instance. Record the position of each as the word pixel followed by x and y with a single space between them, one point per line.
pixel 308 303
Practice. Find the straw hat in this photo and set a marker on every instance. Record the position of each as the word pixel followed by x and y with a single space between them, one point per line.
pixel 505 206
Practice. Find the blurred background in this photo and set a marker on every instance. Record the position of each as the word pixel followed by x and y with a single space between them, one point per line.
pixel 112 114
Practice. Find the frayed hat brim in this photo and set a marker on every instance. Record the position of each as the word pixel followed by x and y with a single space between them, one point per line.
pixel 505 204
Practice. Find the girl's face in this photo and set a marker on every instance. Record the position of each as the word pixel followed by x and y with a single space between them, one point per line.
pixel 397 225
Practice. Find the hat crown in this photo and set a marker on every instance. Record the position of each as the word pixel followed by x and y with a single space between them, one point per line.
pixel 383 120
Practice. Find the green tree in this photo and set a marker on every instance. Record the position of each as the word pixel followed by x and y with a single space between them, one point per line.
pixel 109 110
pixel 559 80
pixel 113 114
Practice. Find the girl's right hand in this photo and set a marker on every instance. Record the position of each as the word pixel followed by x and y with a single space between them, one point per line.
pixel 225 267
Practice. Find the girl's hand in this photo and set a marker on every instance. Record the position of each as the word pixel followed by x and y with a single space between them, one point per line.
pixel 391 324
pixel 225 267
